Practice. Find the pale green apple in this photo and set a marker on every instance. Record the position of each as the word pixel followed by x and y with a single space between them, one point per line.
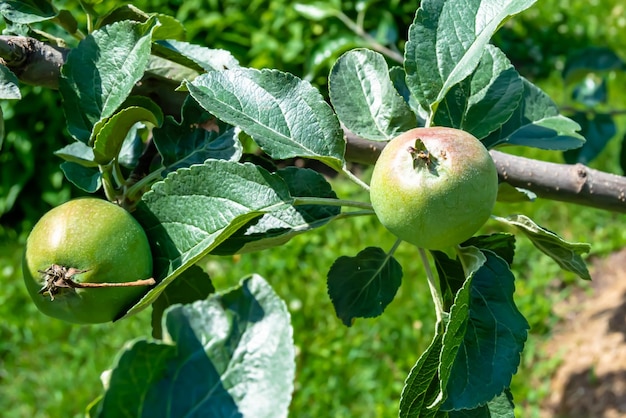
pixel 434 187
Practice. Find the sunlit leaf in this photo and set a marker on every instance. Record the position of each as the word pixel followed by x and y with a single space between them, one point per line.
pixel 365 99
pixel 286 116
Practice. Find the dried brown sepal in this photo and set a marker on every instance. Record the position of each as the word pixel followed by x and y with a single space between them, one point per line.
pixel 58 277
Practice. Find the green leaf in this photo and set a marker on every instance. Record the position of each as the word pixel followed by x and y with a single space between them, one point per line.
pixel 316 11
pixel 592 59
pixel 422 385
pixel 451 277
pixel 485 335
pixel 363 286
pixel 229 356
pixel 26 12
pixel 84 177
pixel 79 153
pixel 195 56
pixel 481 103
pixel 537 123
pixel 286 116
pixel 198 137
pixel 500 243
pixel 9 84
pixel 96 79
pixel 195 209
pixel 192 285
pixel 169 27
pixel 109 134
pixel 598 129
pixel 499 407
pixel 511 194
pixel 566 254
pixel 446 42
pixel 276 228
pixel 365 99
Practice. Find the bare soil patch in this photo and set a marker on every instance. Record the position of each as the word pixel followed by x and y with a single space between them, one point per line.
pixel 591 380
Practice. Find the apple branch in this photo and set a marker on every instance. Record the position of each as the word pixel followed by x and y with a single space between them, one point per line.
pixel 35 62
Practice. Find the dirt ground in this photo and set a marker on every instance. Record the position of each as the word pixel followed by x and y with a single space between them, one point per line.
pixel 591 380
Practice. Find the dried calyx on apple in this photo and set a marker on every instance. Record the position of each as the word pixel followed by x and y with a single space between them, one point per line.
pixel 434 187
pixel 87 261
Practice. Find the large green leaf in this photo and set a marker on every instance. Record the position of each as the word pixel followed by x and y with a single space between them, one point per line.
pixel 195 209
pixel 199 136
pixel 229 356
pixel 537 123
pixel 286 116
pixel 97 78
pixel 365 99
pixel 485 335
pixel 447 40
pixel 422 385
pixel 499 407
pixel 363 286
pixel 26 12
pixel 568 255
pixel 276 228
pixel 481 103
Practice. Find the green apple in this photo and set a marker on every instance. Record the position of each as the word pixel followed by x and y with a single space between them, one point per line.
pixel 434 187
pixel 87 261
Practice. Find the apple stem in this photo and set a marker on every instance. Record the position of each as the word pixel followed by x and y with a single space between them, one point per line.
pixel 58 277
pixel 433 286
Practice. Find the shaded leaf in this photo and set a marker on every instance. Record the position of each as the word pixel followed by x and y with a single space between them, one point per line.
pixel 229 356
pixel 9 84
pixel 192 285
pixel 365 99
pixel 592 59
pixel 96 79
pixel 566 254
pixel 486 99
pixel 500 243
pixel 537 123
pixel 286 116
pixel 197 138
pixel 276 228
pixel 493 333
pixel 79 153
pixel 363 286
pixel 109 134
pixel 598 130
pixel 446 42
pixel 84 177
pixel 422 385
pixel 512 194
pixel 499 407
pixel 195 209
pixel 25 12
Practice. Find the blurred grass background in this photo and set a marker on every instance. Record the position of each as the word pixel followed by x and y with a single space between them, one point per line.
pixel 51 369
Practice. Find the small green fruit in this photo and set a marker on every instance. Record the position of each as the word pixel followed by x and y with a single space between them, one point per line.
pixel 434 187
pixel 79 253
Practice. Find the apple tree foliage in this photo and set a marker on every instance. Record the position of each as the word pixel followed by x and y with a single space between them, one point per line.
pixel 231 353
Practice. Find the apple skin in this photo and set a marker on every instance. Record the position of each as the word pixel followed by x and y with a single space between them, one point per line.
pixel 97 236
pixel 435 193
